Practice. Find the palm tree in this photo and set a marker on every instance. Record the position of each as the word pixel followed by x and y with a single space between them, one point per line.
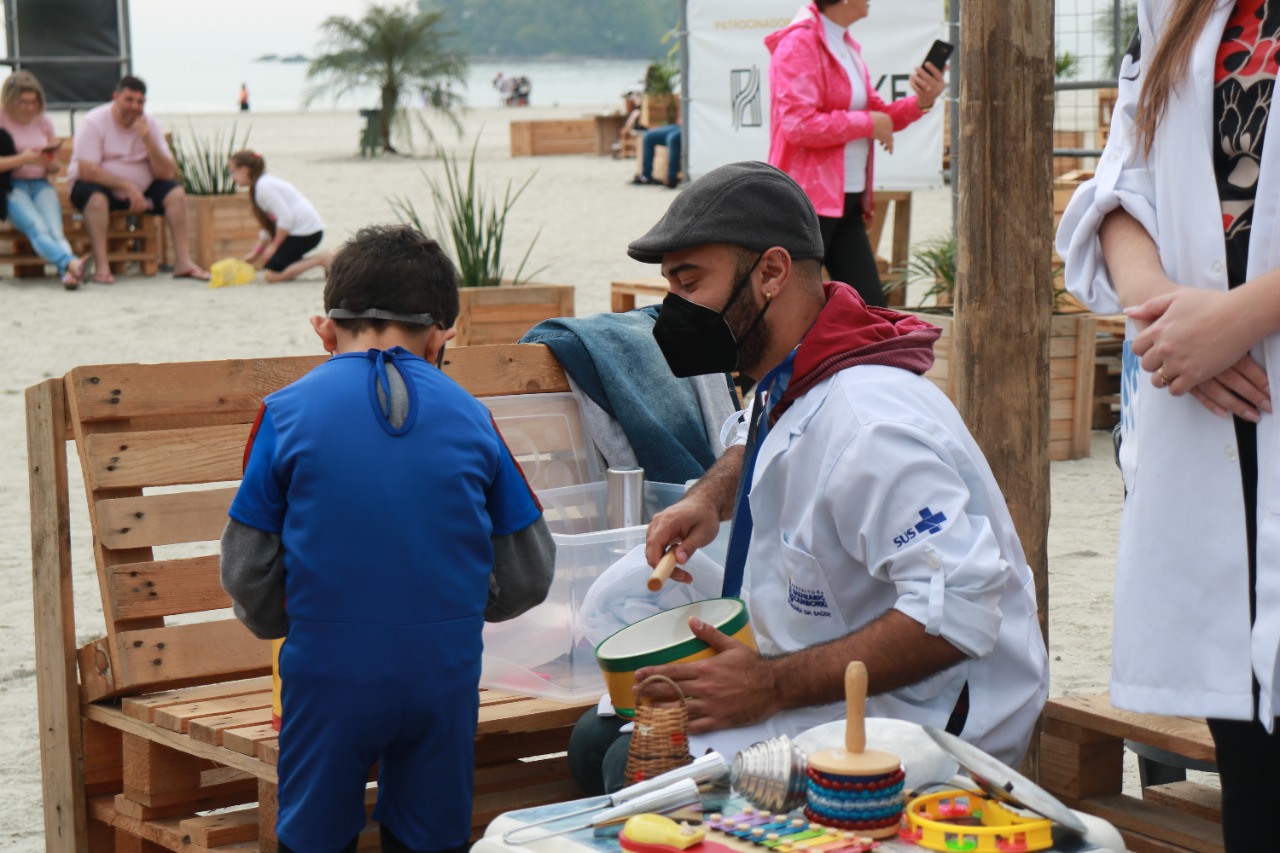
pixel 396 49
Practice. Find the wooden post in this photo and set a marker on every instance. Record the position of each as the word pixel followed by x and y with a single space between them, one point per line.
pixel 58 698
pixel 1004 300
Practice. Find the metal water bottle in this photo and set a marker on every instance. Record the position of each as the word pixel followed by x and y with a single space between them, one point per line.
pixel 625 487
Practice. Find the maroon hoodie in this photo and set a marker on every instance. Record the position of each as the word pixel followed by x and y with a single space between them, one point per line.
pixel 849 332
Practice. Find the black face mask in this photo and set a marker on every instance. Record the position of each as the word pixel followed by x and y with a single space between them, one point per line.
pixel 695 339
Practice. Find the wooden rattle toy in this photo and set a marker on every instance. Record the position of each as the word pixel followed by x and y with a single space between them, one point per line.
pixel 855 788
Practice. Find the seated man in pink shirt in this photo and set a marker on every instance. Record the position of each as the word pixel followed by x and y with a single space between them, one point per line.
pixel 121 162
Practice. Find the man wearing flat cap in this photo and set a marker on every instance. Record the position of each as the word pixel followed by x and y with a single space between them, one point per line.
pixel 865 518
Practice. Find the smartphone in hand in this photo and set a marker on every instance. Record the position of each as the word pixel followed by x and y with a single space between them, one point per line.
pixel 53 149
pixel 938 55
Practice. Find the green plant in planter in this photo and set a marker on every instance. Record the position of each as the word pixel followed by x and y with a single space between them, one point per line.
pixel 662 76
pixel 202 161
pixel 475 222
pixel 934 261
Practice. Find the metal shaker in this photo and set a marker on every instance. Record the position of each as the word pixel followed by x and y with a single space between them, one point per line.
pixel 625 490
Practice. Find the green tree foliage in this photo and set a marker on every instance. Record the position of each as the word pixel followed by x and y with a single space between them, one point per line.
pixel 399 50
pixel 622 29
pixel 1104 26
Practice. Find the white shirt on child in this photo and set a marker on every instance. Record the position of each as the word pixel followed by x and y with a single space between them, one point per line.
pixel 288 207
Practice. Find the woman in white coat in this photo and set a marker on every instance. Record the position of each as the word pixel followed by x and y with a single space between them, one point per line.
pixel 1180 227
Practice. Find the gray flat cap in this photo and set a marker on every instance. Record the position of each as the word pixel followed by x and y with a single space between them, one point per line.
pixel 749 204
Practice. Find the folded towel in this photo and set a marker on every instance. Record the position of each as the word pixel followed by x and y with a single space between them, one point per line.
pixel 615 362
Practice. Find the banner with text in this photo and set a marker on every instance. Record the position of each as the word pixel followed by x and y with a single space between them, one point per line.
pixel 728 87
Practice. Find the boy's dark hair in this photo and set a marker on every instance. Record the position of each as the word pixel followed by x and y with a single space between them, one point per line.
pixel 135 84
pixel 395 268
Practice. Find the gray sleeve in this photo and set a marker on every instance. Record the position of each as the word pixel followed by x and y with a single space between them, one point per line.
pixel 253 575
pixel 523 566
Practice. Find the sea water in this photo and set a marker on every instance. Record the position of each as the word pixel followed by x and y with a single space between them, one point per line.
pixel 212 85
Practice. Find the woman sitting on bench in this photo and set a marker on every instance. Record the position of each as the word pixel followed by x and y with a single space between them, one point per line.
pixel 33 204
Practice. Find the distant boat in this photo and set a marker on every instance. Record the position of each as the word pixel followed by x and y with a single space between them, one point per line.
pixel 268 57
pixel 297 57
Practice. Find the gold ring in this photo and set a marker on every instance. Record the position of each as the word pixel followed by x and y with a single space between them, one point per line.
pixel 1165 379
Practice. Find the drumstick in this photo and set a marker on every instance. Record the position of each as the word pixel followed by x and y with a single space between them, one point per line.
pixel 662 571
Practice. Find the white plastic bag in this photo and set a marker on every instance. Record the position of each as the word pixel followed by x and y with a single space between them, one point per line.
pixel 619 597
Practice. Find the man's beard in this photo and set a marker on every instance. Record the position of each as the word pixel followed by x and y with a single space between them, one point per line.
pixel 751 349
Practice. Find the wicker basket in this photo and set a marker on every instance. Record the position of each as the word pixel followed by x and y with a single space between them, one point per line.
pixel 661 738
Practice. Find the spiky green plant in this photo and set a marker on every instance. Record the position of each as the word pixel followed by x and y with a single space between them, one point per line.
pixel 1104 27
pixel 934 262
pixel 474 220
pixel 202 161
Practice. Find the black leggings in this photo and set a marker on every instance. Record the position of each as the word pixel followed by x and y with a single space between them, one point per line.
pixel 1249 769
pixel 1248 758
pixel 847 252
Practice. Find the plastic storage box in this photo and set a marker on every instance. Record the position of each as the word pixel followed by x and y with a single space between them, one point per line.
pixel 544 652
pixel 546 436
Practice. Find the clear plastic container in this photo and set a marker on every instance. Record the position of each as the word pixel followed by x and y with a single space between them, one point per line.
pixel 547 437
pixel 544 652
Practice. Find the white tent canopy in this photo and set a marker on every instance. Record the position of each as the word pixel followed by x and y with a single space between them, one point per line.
pixel 726 84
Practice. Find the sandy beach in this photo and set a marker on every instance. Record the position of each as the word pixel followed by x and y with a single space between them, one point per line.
pixel 581 210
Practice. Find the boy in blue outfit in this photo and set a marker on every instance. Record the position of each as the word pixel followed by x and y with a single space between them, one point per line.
pixel 379 500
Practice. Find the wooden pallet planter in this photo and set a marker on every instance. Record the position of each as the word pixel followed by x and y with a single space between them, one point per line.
pixel 1081 763
pixel 1071 374
pixel 154 723
pixel 1068 139
pixel 1106 106
pixel 220 226
pixel 554 136
pixel 501 315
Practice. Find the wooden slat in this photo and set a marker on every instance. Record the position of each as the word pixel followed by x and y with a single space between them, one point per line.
pixel 520 774
pixel 1190 798
pixel 529 715
pixel 62 779
pixel 144 707
pixel 214 651
pixel 214 729
pixel 1086 341
pixel 115 718
pixel 166 832
pixel 490 371
pixel 221 829
pixel 165 519
pixel 1176 734
pixel 166 588
pixel 1130 814
pixel 124 391
pixel 165 457
pixel 245 739
pixel 178 718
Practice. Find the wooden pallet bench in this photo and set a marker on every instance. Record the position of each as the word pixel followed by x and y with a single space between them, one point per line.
pixel 1082 764
pixel 130 238
pixel 167 716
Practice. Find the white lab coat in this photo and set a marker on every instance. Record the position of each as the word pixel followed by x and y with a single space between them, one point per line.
pixel 1182 640
pixel 868 495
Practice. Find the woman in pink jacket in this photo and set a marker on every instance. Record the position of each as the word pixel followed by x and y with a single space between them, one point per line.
pixel 823 116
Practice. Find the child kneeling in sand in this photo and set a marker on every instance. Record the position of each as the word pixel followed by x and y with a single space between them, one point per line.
pixel 380 501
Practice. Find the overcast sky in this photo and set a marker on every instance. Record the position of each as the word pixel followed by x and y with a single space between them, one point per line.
pixel 164 31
